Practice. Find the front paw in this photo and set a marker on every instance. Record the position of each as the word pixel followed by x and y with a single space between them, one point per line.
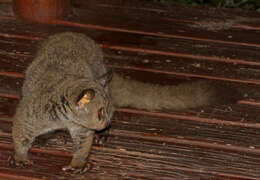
pixel 19 163
pixel 77 170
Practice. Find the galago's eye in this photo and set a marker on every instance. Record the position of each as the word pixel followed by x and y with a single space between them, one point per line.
pixel 85 97
pixel 101 114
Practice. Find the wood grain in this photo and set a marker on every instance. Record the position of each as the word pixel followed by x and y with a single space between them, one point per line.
pixel 156 43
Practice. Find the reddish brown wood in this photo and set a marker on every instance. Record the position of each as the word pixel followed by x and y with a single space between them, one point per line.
pixel 41 10
pixel 135 58
pixel 5 1
pixel 154 43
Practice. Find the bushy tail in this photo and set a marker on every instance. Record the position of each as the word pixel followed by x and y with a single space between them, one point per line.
pixel 131 93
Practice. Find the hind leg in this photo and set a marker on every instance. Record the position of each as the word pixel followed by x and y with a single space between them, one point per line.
pixel 22 144
pixel 21 153
pixel 20 158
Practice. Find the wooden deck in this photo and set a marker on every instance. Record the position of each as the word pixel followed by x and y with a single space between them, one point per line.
pixel 157 43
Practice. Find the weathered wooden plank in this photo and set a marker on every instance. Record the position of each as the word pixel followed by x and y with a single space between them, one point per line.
pixel 7 106
pixel 5 8
pixel 174 20
pixel 105 162
pixel 178 47
pixel 10 85
pixel 12 63
pixel 161 158
pixel 140 7
pixel 144 62
pixel 105 165
pixel 46 167
pixel 182 66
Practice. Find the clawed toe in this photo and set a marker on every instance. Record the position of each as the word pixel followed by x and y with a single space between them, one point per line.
pixel 13 163
pixel 77 170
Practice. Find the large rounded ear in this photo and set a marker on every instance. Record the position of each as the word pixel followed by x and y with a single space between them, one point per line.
pixel 106 78
pixel 85 97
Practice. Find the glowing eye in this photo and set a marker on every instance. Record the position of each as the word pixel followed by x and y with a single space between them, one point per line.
pixel 86 97
pixel 101 114
pixel 89 95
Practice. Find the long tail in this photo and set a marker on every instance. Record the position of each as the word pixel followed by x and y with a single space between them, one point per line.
pixel 131 93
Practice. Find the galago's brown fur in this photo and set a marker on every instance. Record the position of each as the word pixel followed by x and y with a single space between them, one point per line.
pixel 67 86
